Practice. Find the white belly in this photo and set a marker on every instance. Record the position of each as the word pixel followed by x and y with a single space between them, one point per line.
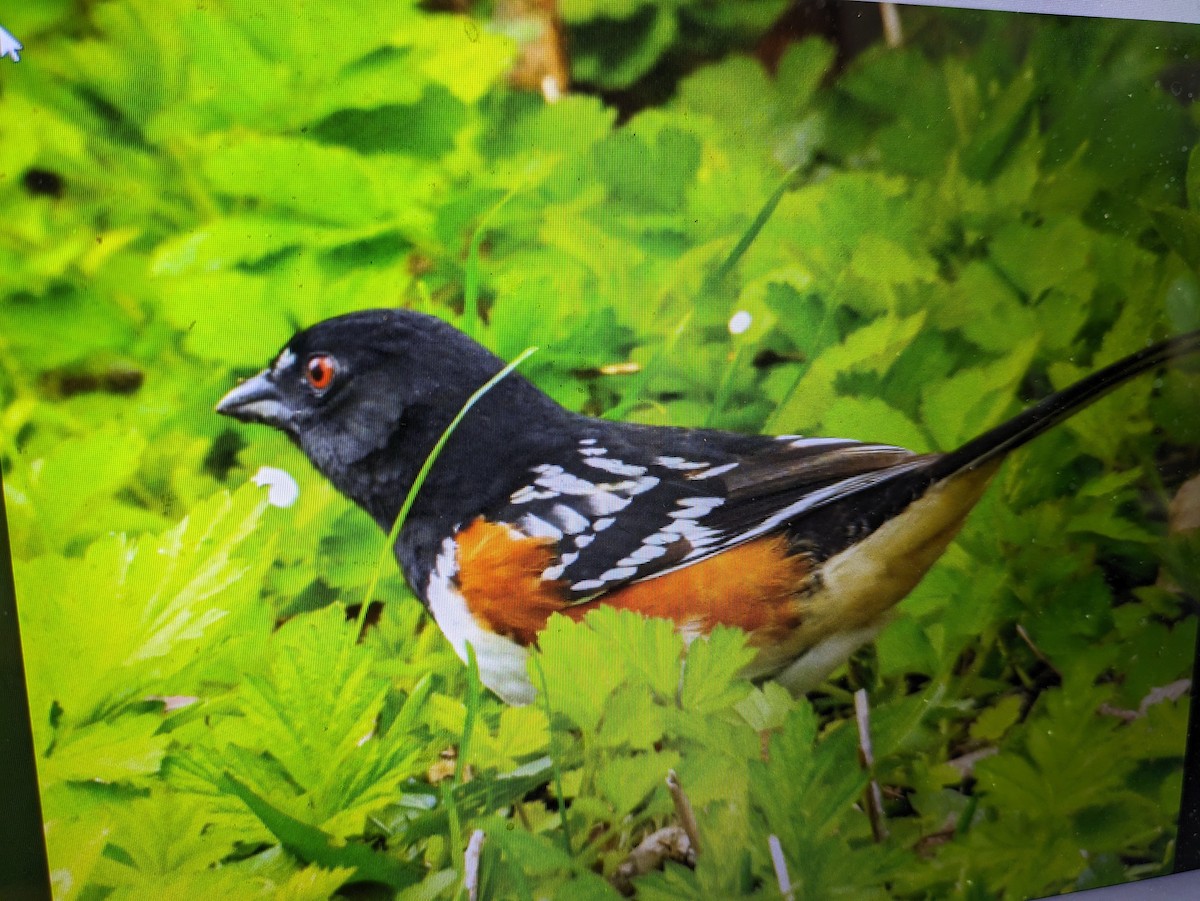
pixel 502 662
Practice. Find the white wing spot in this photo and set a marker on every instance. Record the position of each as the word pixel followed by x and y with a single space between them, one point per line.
pixel 603 503
pixel 644 554
pixel 617 573
pixel 537 527
pixel 556 479
pixel 530 493
pixel 678 463
pixel 642 485
pixel 582 541
pixel 601 524
pixel 616 467
pixel 714 471
pixel 697 536
pixel 555 572
pixel 799 442
pixel 571 521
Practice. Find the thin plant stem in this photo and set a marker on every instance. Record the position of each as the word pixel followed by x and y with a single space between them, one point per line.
pixel 411 498
pixel 568 842
pixel 472 279
pixel 474 697
pixel 748 236
pixel 457 850
pixel 726 387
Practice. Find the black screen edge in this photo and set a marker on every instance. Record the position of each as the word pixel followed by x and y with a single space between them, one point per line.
pixel 24 873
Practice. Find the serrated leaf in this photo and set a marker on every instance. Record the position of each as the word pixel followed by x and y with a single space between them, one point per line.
pixel 710 673
pixel 125 750
pixel 766 708
pixel 626 781
pixel 965 405
pixel 872 348
pixel 993 722
pixel 168 600
pixel 565 649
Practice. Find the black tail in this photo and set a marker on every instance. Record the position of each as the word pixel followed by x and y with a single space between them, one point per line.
pixel 1048 413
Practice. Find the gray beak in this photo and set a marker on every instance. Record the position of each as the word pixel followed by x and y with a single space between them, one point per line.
pixel 256 400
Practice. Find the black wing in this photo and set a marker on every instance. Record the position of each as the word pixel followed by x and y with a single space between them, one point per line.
pixel 635 503
pixel 638 501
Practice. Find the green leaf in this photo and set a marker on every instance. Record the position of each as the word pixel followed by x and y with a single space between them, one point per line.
pixel 870 349
pixel 313 884
pixel 801 69
pixel 879 259
pixel 873 419
pixel 168 603
pixel 766 708
pixel 626 781
pixel 1181 230
pixel 125 750
pixel 1193 180
pixel 996 720
pixel 649 176
pixel 227 242
pixel 202 305
pixel 315 712
pixel 710 673
pixel 77 477
pixel 314 846
pixel 632 719
pixel 1036 259
pixel 617 53
pixel 322 183
pixel 970 402
pixel 566 648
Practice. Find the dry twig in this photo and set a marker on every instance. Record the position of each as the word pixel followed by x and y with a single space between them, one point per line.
pixel 541 63
pixel 471 865
pixel 1037 652
pixel 680 843
pixel 668 843
pixel 893 31
pixel 781 869
pixel 866 757
pixel 683 809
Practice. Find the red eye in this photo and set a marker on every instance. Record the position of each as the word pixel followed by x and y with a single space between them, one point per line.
pixel 319 371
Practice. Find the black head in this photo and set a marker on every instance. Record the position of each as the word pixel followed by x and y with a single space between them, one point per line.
pixel 366 396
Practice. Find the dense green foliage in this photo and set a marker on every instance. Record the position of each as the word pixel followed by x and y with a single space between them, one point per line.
pixel 967 224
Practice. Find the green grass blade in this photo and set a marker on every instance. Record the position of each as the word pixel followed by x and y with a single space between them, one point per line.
pixel 474 699
pixel 472 277
pixel 568 841
pixel 411 498
pixel 748 236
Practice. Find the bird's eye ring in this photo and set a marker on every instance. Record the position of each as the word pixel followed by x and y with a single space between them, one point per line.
pixel 319 371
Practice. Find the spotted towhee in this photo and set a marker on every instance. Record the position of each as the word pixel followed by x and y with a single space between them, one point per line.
pixel 531 509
